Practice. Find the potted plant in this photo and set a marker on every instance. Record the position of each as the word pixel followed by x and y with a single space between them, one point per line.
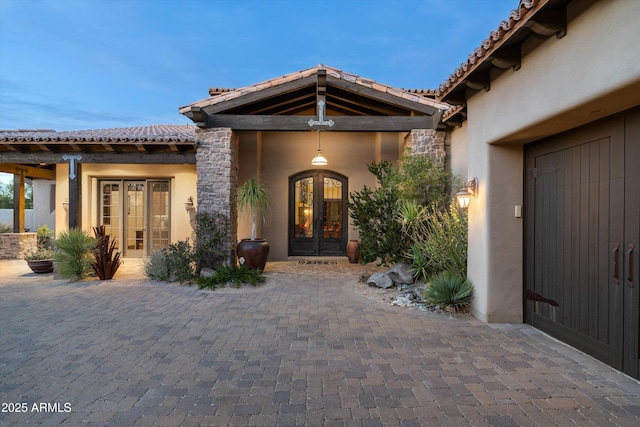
pixel 40 260
pixel 253 198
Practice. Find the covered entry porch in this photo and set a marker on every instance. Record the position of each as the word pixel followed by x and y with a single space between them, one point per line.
pixel 274 129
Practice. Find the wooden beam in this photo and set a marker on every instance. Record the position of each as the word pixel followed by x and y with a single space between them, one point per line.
pixel 341 123
pixel 18 202
pixel 9 146
pixel 508 57
pixel 478 81
pixel 75 186
pixel 549 22
pixel 124 158
pixel 29 171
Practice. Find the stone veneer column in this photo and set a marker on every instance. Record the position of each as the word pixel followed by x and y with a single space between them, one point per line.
pixel 217 170
pixel 427 141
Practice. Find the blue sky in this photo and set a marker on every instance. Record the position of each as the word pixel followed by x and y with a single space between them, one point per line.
pixel 90 64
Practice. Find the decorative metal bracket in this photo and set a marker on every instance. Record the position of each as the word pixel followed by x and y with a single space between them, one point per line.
pixel 73 158
pixel 322 121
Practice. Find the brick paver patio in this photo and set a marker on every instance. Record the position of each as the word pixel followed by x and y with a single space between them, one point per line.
pixel 302 350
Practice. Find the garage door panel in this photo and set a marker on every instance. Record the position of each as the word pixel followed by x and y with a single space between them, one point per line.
pixel 577 191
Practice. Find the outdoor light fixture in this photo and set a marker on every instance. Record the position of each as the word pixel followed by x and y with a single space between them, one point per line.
pixel 188 205
pixel 65 205
pixel 319 159
pixel 464 195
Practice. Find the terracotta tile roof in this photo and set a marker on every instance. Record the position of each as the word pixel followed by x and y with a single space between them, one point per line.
pixel 497 37
pixel 222 95
pixel 152 133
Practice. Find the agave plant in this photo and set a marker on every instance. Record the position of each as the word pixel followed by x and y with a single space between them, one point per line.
pixel 74 253
pixel 449 290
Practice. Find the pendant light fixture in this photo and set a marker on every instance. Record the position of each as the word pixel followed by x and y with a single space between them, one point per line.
pixel 319 159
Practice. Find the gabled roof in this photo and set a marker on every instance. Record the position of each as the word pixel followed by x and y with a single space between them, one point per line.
pixel 298 94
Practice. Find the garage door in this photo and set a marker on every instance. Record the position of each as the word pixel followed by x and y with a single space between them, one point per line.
pixel 582 239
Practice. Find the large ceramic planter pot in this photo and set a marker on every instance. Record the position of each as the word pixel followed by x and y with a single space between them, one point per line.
pixel 353 251
pixel 40 266
pixel 254 252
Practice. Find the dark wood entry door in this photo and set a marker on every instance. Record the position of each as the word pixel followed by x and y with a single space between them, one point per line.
pixel 318 214
pixel 582 235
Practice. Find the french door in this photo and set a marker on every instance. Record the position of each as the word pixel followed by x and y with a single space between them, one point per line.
pixel 583 237
pixel 136 214
pixel 318 214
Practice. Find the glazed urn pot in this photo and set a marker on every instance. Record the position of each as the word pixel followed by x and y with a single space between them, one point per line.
pixel 353 251
pixel 254 252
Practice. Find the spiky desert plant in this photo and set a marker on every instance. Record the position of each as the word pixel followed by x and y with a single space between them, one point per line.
pixel 449 290
pixel 107 260
pixel 253 196
pixel 74 253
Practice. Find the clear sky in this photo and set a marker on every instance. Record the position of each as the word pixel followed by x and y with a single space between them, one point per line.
pixel 91 64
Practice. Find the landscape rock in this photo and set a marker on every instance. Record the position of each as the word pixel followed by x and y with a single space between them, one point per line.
pixel 401 274
pixel 207 272
pixel 381 280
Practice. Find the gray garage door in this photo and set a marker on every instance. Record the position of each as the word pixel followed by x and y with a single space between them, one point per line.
pixel 582 240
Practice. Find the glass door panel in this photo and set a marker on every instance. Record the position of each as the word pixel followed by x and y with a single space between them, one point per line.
pixel 332 221
pixel 159 214
pixel 135 219
pixel 111 210
pixel 303 215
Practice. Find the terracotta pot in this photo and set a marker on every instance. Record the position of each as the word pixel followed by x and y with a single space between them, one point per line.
pixel 254 252
pixel 353 251
pixel 40 266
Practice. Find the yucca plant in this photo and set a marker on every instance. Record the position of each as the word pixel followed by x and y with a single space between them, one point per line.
pixel 253 196
pixel 449 290
pixel 74 253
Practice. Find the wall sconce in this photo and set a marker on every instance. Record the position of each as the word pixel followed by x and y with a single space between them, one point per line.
pixel 188 205
pixel 464 195
pixel 65 205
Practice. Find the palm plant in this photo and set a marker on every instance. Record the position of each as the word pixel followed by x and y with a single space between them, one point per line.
pixel 253 196
pixel 74 253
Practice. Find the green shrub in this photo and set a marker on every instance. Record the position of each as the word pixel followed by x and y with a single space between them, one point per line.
pixel 210 237
pixel 5 228
pixel 73 254
pixel 443 246
pixel 419 179
pixel 449 290
pixel 418 183
pixel 180 261
pixel 155 266
pixel 372 211
pixel 236 276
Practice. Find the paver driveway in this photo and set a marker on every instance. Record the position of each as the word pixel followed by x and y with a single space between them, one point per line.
pixel 302 350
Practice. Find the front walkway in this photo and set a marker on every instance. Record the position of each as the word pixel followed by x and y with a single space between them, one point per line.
pixel 302 350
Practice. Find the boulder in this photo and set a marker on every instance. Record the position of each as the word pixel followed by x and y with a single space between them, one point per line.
pixel 380 280
pixel 207 272
pixel 401 274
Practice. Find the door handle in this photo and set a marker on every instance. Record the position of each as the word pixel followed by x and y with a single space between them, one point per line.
pixel 616 258
pixel 629 265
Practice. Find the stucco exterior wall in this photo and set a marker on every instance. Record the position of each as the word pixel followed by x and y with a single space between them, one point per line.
pixel 278 155
pixel 592 72
pixel 183 185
